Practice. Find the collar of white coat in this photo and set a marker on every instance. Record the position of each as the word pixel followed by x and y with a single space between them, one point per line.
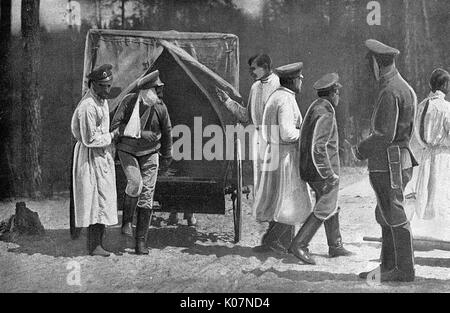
pixel 286 89
pixel 96 98
pixel 437 94
pixel 267 78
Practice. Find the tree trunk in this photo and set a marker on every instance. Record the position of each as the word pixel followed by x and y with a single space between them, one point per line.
pixel 6 166
pixel 31 110
pixel 123 15
pixel 98 10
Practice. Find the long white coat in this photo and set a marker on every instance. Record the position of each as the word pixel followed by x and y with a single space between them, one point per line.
pixel 257 99
pixel 282 195
pixel 94 176
pixel 433 176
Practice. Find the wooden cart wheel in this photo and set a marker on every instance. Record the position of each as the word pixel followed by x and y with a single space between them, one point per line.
pixel 237 206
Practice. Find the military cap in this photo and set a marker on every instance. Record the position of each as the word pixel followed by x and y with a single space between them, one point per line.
pixel 327 82
pixel 377 47
pixel 292 70
pixel 150 80
pixel 103 73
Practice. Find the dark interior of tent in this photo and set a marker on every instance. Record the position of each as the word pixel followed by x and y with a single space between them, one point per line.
pixel 195 185
pixel 184 101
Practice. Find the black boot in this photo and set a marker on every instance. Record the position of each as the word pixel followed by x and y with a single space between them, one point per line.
pixel 96 233
pixel 396 264
pixel 263 247
pixel 129 205
pixel 387 255
pixel 91 239
pixel 299 246
pixel 288 236
pixel 404 256
pixel 173 218
pixel 275 236
pixel 191 220
pixel 334 238
pixel 143 222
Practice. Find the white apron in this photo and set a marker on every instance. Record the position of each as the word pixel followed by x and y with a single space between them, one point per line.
pixel 94 177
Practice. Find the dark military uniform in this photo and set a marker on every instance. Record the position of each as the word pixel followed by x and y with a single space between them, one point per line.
pixel 319 155
pixel 319 167
pixel 140 156
pixel 391 163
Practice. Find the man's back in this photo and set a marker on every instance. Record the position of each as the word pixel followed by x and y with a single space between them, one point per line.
pixel 319 146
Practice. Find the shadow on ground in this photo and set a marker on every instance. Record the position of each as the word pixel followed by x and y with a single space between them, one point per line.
pixel 58 243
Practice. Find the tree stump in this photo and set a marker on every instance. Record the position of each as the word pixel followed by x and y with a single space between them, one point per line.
pixel 27 222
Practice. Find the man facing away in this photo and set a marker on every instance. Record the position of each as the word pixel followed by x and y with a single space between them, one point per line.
pixel 281 190
pixel 144 145
pixel 432 131
pixel 266 82
pixel 319 167
pixel 390 162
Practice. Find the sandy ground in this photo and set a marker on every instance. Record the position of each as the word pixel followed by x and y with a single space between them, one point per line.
pixel 204 259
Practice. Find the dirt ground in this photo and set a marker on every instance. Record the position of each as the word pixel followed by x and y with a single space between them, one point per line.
pixel 204 259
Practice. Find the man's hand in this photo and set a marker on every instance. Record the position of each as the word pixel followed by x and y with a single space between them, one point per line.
pixel 356 154
pixel 223 96
pixel 149 135
pixel 115 134
pixel 298 124
pixel 330 183
pixel 164 163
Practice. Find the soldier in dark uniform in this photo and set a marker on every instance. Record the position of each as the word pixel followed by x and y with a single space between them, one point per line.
pixel 319 167
pixel 144 145
pixel 391 162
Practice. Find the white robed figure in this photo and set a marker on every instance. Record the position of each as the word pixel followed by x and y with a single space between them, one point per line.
pixel 433 183
pixel 94 177
pixel 283 196
pixel 266 82
pixel 433 134
pixel 93 171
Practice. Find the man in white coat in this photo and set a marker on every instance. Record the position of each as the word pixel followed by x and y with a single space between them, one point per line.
pixel 433 134
pixel 266 82
pixel 93 172
pixel 282 196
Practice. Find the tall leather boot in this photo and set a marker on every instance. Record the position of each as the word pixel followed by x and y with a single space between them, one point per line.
pixel 143 222
pixel 276 237
pixel 397 255
pixel 387 255
pixel 191 219
pixel 96 232
pixel 299 246
pixel 91 243
pixel 288 236
pixel 404 256
pixel 334 238
pixel 173 218
pixel 129 206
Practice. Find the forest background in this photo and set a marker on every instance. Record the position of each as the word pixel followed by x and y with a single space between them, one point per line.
pixel 42 51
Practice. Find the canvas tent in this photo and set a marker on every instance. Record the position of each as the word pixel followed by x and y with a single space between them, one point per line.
pixel 132 52
pixel 191 65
